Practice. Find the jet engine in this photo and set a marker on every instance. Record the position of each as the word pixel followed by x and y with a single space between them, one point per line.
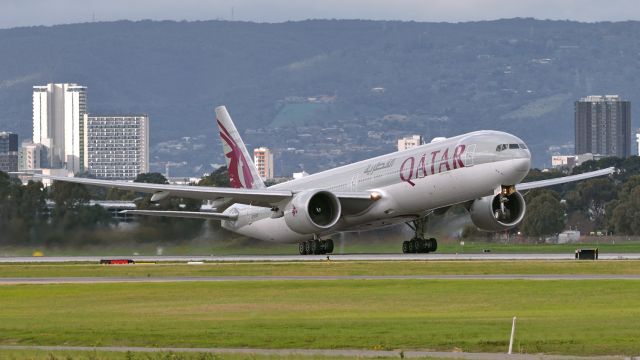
pixel 312 211
pixel 498 212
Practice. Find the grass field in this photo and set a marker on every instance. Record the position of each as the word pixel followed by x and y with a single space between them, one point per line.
pixel 329 268
pixel 567 317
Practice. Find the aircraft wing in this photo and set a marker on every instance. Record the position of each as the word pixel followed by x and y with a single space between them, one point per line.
pixel 255 196
pixel 183 214
pixel 564 179
pixel 264 197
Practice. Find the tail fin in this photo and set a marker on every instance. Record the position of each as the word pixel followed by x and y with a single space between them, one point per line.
pixel 242 171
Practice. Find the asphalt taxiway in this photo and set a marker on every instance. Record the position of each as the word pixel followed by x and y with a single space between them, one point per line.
pixel 292 258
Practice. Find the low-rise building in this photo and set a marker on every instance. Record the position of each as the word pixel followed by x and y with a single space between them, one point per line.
pixel 263 160
pixel 409 142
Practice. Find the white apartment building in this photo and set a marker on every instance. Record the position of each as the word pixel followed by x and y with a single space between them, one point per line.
pixel 409 142
pixel 29 156
pixel 263 159
pixel 58 111
pixel 117 146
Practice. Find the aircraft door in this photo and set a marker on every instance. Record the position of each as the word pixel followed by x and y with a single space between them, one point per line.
pixel 468 155
pixel 354 183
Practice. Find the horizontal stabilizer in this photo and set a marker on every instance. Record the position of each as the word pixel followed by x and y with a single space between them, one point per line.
pixel 182 214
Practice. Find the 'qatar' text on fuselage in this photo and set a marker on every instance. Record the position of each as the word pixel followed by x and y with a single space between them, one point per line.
pixel 435 162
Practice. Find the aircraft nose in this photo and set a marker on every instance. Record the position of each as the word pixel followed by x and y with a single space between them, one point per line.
pixel 522 164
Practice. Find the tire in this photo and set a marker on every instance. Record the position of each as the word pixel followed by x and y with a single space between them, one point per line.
pixel 405 247
pixel 302 248
pixel 419 245
pixel 329 246
pixel 315 247
pixel 412 246
pixel 433 245
pixel 307 247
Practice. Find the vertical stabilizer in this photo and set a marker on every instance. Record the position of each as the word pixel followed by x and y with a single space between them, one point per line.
pixel 242 171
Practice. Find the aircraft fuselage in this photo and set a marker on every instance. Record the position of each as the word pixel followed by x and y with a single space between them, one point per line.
pixel 411 184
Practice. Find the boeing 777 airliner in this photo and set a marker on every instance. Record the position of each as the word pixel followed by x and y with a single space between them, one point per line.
pixel 481 170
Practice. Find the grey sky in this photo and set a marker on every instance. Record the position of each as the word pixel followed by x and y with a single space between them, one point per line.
pixel 15 13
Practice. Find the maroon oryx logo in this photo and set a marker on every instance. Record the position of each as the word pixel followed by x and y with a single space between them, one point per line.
pixel 236 161
pixel 294 211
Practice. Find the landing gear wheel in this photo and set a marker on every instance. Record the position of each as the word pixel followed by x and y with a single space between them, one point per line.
pixel 327 246
pixel 315 247
pixel 418 244
pixel 302 248
pixel 432 245
pixel 307 248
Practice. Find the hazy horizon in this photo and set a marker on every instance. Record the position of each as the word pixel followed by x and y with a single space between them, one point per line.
pixel 21 13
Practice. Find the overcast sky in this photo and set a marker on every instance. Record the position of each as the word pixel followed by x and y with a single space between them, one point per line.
pixel 15 13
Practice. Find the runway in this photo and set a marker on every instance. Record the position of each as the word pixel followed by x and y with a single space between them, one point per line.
pixel 297 258
pixel 351 353
pixel 162 279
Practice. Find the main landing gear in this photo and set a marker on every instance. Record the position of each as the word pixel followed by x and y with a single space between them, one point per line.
pixel 419 244
pixel 315 247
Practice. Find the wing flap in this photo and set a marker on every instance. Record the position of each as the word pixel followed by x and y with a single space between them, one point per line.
pixel 182 214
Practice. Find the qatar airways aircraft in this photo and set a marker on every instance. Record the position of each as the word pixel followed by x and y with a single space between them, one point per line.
pixel 481 170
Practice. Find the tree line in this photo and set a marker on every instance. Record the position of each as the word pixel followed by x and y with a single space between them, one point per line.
pixel 606 204
pixel 69 219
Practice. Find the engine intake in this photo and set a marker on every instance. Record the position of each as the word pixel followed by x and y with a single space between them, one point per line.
pixel 498 212
pixel 312 211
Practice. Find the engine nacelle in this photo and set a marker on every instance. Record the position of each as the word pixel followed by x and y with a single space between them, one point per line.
pixel 312 211
pixel 490 213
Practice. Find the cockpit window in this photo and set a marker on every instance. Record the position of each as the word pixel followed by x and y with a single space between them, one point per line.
pixel 502 147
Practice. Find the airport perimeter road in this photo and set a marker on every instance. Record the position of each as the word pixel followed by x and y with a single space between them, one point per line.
pixel 97 280
pixel 320 352
pixel 289 258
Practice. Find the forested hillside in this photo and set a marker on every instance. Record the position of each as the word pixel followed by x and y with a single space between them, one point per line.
pixel 519 75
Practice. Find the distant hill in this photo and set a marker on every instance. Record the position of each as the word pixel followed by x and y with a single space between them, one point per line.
pixel 518 75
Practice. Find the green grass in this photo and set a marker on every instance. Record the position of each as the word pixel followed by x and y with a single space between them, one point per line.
pixel 106 355
pixel 568 317
pixel 329 268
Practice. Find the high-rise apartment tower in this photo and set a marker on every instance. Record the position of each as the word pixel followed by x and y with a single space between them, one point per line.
pixel 58 111
pixel 117 146
pixel 603 126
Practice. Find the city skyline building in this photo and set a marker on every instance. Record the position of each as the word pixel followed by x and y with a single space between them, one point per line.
pixel 29 156
pixel 58 110
pixel 8 151
pixel 263 160
pixel 603 126
pixel 410 142
pixel 117 146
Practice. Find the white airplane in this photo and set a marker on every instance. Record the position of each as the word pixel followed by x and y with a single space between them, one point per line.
pixel 480 170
